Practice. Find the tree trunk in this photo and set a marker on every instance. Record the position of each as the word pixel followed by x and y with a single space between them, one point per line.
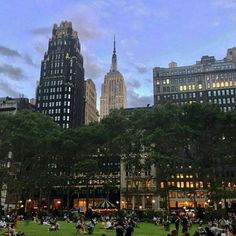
pixel 40 199
pixel 93 195
pixel 87 194
pixel 68 198
pixel 48 199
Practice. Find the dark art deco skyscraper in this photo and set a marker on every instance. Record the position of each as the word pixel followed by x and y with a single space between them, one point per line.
pixel 60 93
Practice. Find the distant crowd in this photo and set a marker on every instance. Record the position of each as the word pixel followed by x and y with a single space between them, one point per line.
pixel 214 227
pixel 124 226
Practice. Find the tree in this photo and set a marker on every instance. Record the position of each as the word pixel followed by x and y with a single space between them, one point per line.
pixel 31 140
pixel 87 169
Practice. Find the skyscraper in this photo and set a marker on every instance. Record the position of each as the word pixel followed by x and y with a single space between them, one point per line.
pixel 114 92
pixel 61 90
pixel 91 112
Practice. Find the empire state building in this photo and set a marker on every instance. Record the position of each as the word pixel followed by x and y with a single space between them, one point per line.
pixel 114 92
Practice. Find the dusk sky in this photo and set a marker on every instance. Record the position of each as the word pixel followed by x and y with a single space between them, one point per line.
pixel 148 33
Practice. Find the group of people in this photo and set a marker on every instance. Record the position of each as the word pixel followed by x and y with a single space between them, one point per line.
pixel 221 227
pixel 83 227
pixel 9 222
pixel 122 227
pixel 49 221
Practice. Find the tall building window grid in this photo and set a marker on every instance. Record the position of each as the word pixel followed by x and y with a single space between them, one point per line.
pixel 57 69
pixel 208 78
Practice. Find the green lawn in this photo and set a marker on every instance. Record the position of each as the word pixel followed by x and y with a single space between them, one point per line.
pixel 32 229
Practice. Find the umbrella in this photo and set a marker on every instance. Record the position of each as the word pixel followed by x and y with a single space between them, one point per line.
pixel 105 205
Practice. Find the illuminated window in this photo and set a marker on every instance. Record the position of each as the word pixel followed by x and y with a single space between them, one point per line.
pixel 201 184
pixel 148 184
pixel 179 194
pixel 200 86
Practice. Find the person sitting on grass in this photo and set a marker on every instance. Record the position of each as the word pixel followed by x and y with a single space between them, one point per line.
pixel 80 226
pixel 90 226
pixel 54 226
pixel 167 225
pixel 9 231
pixel 173 233
pixel 108 224
pixel 20 233
pixel 2 224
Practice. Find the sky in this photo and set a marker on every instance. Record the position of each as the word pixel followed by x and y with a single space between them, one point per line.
pixel 148 33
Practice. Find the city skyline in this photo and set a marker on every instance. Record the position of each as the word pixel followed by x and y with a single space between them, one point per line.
pixel 148 34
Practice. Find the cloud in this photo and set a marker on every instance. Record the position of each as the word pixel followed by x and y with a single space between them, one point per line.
pixel 41 31
pixel 4 51
pixel 215 23
pixel 29 60
pixel 135 100
pixel 6 88
pixel 225 3
pixel 40 47
pixel 8 52
pixel 86 20
pixel 132 83
pixel 93 66
pixel 12 72
pixel 141 68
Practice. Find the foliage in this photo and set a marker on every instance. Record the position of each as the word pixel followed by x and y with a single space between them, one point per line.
pixel 43 155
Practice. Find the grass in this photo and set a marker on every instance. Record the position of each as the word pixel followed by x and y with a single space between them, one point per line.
pixel 68 229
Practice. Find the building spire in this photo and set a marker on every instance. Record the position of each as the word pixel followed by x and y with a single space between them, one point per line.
pixel 114 48
pixel 114 57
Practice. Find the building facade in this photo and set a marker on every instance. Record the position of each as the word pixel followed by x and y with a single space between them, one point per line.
pixel 209 80
pixel 114 92
pixel 12 105
pixel 61 90
pixel 138 188
pixel 91 112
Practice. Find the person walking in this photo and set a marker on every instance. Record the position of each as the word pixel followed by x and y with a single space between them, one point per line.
pixel 129 230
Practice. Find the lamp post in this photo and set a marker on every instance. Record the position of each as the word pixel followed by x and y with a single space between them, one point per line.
pixel 153 204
